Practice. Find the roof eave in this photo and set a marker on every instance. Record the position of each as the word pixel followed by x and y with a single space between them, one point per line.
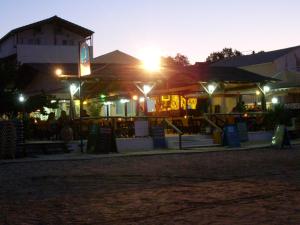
pixel 86 31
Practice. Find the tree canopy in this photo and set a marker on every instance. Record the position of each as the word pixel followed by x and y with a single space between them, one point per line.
pixel 13 79
pixel 224 54
pixel 179 59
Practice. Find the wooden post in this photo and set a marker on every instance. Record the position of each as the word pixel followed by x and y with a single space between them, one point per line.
pixel 125 109
pixel 263 101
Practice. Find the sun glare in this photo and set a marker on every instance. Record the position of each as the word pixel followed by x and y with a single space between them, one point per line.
pixel 151 58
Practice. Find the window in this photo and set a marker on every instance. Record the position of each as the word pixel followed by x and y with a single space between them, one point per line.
pixel 119 108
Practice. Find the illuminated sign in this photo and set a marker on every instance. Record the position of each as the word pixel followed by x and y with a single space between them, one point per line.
pixel 85 61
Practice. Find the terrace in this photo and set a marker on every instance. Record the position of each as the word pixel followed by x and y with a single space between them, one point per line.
pixel 192 101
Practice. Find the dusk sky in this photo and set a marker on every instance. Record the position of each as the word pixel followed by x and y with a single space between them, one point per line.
pixel 194 28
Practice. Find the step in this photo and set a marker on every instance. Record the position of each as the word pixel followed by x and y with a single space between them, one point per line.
pixel 202 142
pixel 200 146
pixel 191 141
pixel 191 146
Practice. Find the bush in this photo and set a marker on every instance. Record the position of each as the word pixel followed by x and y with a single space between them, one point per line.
pixel 279 115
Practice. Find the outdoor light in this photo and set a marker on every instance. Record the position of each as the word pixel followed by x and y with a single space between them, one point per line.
pixel 275 100
pixel 135 97
pixel 21 98
pixel 123 101
pixel 146 89
pixel 77 102
pixel 257 92
pixel 84 102
pixel 108 103
pixel 58 72
pixel 211 88
pixel 73 89
pixel 142 99
pixel 266 89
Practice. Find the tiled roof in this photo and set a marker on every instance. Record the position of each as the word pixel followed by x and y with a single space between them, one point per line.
pixel 116 57
pixel 205 73
pixel 254 59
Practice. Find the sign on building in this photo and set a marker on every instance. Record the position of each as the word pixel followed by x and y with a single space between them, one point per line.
pixel 85 60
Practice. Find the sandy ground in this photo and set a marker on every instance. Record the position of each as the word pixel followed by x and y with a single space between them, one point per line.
pixel 242 187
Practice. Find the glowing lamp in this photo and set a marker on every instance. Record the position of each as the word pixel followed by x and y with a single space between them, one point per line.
pixel 21 98
pixel 73 89
pixel 108 103
pixel 123 101
pixel 146 89
pixel 211 88
pixel 58 72
pixel 142 99
pixel 266 89
pixel 275 100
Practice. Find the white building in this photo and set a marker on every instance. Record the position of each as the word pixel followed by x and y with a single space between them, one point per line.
pixel 282 64
pixel 53 40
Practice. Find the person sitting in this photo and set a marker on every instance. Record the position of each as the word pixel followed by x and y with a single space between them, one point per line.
pixel 63 120
pixel 84 113
pixel 52 126
pixel 65 130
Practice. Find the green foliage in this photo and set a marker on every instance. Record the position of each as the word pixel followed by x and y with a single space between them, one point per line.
pixel 40 101
pixel 13 79
pixel 279 115
pixel 240 107
pixel 8 87
pixel 224 54
pixel 95 109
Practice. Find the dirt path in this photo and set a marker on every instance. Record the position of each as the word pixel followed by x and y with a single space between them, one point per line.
pixel 243 187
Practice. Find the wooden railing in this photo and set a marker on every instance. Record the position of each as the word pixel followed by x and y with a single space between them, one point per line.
pixel 177 130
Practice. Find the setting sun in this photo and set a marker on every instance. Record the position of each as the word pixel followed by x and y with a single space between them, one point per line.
pixel 151 59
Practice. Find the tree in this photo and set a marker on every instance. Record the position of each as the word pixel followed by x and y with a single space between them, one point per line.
pixel 8 87
pixel 179 59
pixel 224 54
pixel 13 79
pixel 39 101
